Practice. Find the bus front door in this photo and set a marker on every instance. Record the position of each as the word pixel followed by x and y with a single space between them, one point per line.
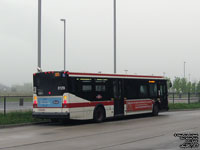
pixel 163 96
pixel 118 97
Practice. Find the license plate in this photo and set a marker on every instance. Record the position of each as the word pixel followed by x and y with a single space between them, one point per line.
pixel 41 109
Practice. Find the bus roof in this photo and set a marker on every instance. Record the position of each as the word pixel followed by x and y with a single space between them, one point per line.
pixel 103 75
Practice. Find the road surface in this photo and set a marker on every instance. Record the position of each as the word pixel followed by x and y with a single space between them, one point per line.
pixel 132 133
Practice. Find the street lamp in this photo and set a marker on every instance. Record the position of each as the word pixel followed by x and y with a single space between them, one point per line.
pixel 39 34
pixel 184 69
pixel 64 21
pixel 114 37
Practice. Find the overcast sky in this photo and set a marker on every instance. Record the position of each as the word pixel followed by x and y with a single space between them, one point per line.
pixel 153 37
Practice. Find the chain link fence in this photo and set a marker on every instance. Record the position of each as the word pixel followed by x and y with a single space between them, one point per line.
pixel 24 103
pixel 15 103
pixel 184 98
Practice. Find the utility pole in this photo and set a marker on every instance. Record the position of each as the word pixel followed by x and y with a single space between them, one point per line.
pixel 39 34
pixel 114 22
pixel 184 69
pixel 64 21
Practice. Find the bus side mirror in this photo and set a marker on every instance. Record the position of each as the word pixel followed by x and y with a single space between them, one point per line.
pixel 170 84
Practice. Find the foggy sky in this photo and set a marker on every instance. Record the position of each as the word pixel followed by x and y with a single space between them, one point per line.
pixel 153 37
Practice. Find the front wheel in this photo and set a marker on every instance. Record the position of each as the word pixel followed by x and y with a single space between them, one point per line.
pixel 155 110
pixel 99 114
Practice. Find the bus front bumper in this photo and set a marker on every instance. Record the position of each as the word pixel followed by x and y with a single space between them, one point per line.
pixel 49 115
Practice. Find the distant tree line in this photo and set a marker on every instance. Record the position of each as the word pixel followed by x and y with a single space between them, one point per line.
pixel 24 89
pixel 182 85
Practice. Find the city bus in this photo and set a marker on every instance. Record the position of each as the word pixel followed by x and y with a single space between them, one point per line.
pixel 69 95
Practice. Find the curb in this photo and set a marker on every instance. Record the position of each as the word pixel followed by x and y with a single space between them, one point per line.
pixel 21 125
pixel 172 110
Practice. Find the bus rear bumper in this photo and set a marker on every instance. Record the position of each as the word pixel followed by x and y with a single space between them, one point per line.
pixel 51 115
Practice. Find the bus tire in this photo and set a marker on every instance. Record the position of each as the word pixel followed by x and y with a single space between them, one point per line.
pixel 99 114
pixel 54 120
pixel 155 110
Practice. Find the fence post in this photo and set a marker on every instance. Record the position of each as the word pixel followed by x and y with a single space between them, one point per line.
pixel 4 105
pixel 199 97
pixel 173 97
pixel 188 97
pixel 21 102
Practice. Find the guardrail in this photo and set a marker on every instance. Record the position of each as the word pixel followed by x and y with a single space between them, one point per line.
pixel 15 103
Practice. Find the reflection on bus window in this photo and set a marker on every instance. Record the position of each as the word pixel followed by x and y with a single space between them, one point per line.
pixel 100 88
pixel 143 91
pixel 86 88
pixel 153 90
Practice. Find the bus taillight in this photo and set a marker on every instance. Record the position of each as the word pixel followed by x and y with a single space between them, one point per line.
pixel 35 102
pixel 64 104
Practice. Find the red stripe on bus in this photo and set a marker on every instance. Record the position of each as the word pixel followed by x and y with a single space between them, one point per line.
pixel 90 104
pixel 139 105
pixel 132 105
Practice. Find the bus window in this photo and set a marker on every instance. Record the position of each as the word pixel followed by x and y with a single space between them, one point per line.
pixel 130 87
pixel 162 90
pixel 86 88
pixel 100 85
pixel 100 88
pixel 153 90
pixel 48 84
pixel 143 91
pixel 84 84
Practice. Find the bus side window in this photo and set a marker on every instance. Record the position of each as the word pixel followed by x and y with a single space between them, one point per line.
pixel 130 88
pixel 100 88
pixel 162 89
pixel 86 88
pixel 153 90
pixel 143 91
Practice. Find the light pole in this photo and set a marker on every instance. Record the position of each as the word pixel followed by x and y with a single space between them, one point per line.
pixel 184 69
pixel 64 21
pixel 114 38
pixel 189 77
pixel 39 34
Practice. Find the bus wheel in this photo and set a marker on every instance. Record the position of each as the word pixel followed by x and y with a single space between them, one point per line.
pixel 99 114
pixel 155 110
pixel 54 120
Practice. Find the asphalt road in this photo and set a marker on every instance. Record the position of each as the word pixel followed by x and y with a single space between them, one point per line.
pixel 132 133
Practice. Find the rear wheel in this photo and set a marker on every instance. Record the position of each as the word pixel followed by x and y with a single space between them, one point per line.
pixel 99 114
pixel 54 120
pixel 155 110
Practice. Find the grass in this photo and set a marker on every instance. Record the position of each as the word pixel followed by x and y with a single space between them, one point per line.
pixel 16 99
pixel 184 106
pixel 17 118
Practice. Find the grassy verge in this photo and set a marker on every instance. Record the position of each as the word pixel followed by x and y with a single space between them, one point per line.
pixel 16 99
pixel 184 106
pixel 17 118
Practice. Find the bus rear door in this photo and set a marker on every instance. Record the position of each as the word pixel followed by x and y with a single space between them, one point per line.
pixel 118 97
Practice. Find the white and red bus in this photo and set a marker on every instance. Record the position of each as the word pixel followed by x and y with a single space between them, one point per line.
pixel 69 95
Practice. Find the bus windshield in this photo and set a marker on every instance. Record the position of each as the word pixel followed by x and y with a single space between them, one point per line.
pixel 49 84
